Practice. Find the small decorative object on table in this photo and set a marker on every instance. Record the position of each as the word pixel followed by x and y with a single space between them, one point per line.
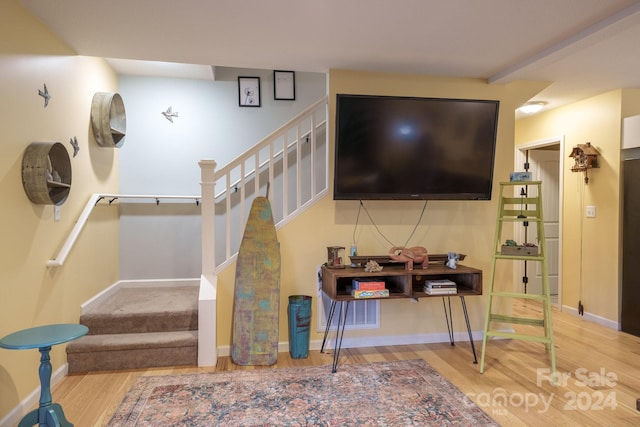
pixel 353 252
pixel 335 256
pixel 372 267
pixel 417 254
pixel 452 260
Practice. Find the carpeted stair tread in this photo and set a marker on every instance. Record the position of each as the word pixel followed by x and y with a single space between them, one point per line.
pixel 139 328
pixel 133 310
pixel 112 342
pixel 133 351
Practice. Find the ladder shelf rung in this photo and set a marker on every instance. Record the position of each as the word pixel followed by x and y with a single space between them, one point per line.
pixel 522 183
pixel 536 297
pixel 520 257
pixel 514 335
pixel 520 201
pixel 512 216
pixel 516 320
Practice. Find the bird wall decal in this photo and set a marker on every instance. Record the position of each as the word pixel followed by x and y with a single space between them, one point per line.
pixel 74 143
pixel 45 94
pixel 169 114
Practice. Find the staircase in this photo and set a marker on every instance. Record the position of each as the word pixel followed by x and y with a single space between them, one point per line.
pixel 154 327
pixel 139 328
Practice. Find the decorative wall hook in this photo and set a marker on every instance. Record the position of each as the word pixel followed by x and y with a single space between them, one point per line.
pixel 585 157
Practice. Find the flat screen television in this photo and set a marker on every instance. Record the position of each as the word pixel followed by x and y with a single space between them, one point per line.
pixel 409 148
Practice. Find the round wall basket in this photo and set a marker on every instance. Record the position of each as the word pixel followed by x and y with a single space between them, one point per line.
pixel 46 173
pixel 108 119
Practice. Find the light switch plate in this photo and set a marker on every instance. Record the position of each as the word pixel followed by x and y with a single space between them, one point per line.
pixel 591 212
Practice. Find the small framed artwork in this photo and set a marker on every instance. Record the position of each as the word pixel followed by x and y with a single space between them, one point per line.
pixel 284 85
pixel 249 91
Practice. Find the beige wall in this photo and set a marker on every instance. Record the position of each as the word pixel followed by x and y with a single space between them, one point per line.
pixel 462 226
pixel 590 255
pixel 31 294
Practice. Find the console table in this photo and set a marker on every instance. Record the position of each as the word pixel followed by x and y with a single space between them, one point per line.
pixel 43 337
pixel 401 283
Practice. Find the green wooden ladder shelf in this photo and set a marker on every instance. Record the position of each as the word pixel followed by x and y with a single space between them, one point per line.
pixel 523 209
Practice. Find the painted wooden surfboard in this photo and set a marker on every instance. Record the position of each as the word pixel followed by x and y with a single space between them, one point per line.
pixel 256 304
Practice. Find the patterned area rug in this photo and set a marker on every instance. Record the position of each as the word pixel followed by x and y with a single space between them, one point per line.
pixel 377 394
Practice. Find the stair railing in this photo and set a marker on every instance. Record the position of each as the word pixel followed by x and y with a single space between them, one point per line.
pixel 291 164
pixel 242 180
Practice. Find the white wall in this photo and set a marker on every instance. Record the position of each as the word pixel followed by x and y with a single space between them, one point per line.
pixel 160 157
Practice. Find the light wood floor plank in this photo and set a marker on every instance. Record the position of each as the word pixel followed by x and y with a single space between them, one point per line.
pixel 511 371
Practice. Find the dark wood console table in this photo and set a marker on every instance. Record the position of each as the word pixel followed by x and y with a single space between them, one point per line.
pixel 401 283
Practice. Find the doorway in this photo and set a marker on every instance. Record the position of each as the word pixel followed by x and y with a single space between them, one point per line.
pixel 545 164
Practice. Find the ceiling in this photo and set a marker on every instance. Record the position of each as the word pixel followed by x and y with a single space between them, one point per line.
pixel 583 47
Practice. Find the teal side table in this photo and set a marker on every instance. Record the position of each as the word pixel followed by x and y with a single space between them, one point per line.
pixel 43 338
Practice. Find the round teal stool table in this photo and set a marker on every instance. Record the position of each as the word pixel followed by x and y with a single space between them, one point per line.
pixel 43 338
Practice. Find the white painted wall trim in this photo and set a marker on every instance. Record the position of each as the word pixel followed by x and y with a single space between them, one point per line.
pixel 207 344
pixel 611 324
pixel 519 159
pixel 434 338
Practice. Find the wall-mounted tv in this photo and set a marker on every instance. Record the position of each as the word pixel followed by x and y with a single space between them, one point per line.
pixel 409 148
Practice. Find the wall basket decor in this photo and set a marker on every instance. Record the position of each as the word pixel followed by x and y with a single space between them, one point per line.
pixel 108 119
pixel 46 173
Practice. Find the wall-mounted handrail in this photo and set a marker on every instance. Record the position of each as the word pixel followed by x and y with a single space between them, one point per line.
pixel 95 198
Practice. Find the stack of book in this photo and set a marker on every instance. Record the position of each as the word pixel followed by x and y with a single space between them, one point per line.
pixel 440 287
pixel 368 288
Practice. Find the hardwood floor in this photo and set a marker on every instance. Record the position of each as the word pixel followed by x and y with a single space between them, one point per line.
pixel 599 377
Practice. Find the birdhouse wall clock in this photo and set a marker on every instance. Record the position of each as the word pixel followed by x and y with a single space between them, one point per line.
pixel 585 157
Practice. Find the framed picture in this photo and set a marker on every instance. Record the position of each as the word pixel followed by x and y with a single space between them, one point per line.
pixel 249 91
pixel 284 85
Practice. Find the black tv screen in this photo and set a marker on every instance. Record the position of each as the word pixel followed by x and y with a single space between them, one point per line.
pixel 407 148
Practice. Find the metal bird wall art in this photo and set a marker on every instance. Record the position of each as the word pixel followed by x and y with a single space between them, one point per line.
pixel 74 143
pixel 45 94
pixel 169 114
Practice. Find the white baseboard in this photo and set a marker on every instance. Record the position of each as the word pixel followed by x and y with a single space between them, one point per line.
pixel 438 337
pixel 377 341
pixel 32 400
pixel 592 318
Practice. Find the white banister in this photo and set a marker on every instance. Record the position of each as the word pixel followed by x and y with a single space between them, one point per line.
pixel 271 157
